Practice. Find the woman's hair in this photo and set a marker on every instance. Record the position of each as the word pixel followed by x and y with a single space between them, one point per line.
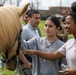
pixel 73 7
pixel 55 20
pixel 73 15
pixel 73 12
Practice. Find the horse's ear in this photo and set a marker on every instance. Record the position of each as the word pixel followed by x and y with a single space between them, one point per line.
pixel 23 9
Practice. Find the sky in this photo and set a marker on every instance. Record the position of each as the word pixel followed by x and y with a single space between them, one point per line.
pixel 45 4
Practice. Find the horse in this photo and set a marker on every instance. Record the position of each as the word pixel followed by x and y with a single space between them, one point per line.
pixel 10 31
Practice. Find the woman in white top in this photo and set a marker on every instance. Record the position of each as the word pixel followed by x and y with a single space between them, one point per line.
pixel 68 50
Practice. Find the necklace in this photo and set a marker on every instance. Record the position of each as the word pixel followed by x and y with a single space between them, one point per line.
pixel 47 46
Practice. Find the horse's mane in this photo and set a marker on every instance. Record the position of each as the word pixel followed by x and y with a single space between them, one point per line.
pixel 10 31
pixel 9 26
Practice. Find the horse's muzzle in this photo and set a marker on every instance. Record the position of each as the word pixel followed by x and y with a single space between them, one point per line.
pixel 11 63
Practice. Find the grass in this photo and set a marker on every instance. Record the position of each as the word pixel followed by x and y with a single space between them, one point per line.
pixel 7 72
pixel 41 26
pixel 70 36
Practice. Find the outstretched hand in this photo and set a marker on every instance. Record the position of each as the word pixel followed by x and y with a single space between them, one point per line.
pixel 69 72
pixel 30 52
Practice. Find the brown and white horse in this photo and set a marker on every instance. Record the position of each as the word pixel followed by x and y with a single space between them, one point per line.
pixel 10 30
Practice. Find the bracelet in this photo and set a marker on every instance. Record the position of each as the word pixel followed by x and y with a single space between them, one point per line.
pixel 31 65
pixel 35 52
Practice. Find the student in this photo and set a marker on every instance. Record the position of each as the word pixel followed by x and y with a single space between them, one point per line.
pixel 25 17
pixel 30 30
pixel 62 34
pixel 68 50
pixel 49 43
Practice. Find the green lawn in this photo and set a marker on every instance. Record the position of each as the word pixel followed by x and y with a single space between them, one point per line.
pixel 7 72
pixel 41 26
pixel 70 36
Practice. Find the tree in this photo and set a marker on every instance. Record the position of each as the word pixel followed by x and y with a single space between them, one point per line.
pixel 18 1
pixel 38 3
pixel 10 2
pixel 32 5
pixel 2 2
pixel 35 4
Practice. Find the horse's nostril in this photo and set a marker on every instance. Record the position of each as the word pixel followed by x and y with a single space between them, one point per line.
pixel 11 65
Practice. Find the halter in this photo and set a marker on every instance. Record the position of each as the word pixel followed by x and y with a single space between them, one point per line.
pixel 6 60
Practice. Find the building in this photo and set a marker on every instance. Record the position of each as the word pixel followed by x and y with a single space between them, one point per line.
pixel 55 10
pixel 60 10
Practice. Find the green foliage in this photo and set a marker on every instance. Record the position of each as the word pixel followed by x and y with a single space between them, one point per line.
pixel 70 36
pixel 8 72
pixel 41 26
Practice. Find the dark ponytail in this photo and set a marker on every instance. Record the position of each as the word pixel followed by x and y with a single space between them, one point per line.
pixel 73 13
pixel 55 20
pixel 73 7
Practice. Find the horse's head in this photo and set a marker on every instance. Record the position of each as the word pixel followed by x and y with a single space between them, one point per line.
pixel 10 31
